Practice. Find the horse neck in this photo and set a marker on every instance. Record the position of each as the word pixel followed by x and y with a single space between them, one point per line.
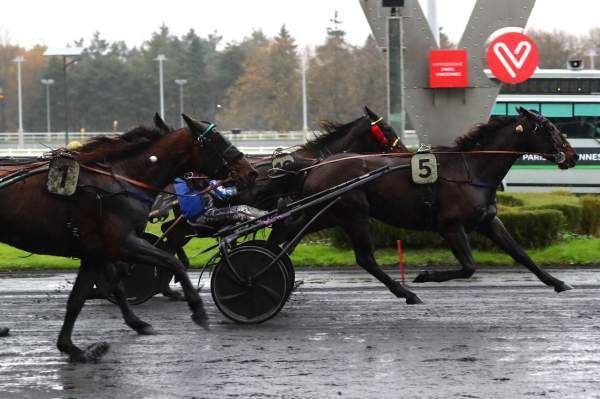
pixel 173 158
pixel 492 168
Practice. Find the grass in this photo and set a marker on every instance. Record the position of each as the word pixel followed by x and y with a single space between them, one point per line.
pixel 574 251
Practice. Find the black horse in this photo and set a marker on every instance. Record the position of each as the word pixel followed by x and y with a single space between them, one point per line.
pixel 102 221
pixel 367 134
pixel 462 200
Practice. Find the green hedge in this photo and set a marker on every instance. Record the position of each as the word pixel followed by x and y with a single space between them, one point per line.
pixel 573 214
pixel 531 228
pixel 590 224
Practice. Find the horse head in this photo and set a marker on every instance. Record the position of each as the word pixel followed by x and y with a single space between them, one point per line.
pixel 385 136
pixel 217 156
pixel 541 135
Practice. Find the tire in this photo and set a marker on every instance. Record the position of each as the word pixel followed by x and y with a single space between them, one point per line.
pixel 255 298
pixel 289 266
pixel 141 282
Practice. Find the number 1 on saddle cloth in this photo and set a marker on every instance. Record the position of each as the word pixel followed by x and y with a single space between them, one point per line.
pixel 211 209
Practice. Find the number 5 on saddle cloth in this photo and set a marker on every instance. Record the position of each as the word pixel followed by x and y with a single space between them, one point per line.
pixel 211 209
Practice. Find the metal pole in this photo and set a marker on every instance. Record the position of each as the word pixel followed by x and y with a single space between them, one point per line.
pixel 304 95
pixel 160 58
pixel 48 83
pixel 181 83
pixel 396 72
pixel 19 60
pixel 66 100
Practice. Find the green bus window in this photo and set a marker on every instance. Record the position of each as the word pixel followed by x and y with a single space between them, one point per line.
pixel 499 109
pixel 512 107
pixel 587 109
pixel 557 110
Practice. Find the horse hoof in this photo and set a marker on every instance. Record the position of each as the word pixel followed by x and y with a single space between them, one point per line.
pixel 562 286
pixel 4 332
pixel 200 319
pixel 146 330
pixel 422 277
pixel 413 300
pixel 92 353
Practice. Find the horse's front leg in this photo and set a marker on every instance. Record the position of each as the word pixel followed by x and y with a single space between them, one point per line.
pixel 141 252
pixel 457 239
pixel 496 232
pixel 79 293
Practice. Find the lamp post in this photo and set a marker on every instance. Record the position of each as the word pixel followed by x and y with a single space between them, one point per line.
pixel 19 59
pixel 181 83
pixel 47 83
pixel 161 58
pixel 69 56
pixel 3 125
pixel 304 95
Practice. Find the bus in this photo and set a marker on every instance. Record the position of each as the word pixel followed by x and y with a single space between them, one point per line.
pixel 571 100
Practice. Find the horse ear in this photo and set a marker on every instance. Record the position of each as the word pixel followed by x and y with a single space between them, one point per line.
pixel 194 126
pixel 161 125
pixel 370 114
pixel 525 112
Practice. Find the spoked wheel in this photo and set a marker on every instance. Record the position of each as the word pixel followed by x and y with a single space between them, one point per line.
pixel 141 282
pixel 245 290
pixel 274 248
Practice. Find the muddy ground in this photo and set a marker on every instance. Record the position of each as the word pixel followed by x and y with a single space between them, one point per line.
pixel 501 334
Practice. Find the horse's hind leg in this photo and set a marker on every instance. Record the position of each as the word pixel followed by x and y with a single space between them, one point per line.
pixel 496 231
pixel 142 252
pixel 79 293
pixel 457 239
pixel 109 281
pixel 359 234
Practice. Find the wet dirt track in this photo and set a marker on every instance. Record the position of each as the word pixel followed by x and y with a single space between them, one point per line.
pixel 499 335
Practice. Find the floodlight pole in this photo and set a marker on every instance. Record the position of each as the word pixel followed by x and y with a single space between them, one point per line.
pixel 19 59
pixel 181 83
pixel 48 83
pixel 161 58
pixel 304 95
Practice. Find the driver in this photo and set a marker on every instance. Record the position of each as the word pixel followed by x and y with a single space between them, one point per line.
pixel 211 208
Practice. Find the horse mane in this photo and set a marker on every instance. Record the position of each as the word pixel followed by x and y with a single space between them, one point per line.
pixel 331 131
pixel 477 133
pixel 104 148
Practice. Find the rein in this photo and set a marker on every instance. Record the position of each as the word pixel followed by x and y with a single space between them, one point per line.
pixel 410 154
pixel 147 186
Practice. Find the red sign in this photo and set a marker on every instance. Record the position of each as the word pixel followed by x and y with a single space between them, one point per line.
pixel 448 69
pixel 513 57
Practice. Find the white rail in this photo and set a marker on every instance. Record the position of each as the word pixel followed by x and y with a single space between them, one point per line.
pixel 59 137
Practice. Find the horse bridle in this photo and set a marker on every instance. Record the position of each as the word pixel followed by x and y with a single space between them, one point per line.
pixel 542 123
pixel 219 144
pixel 380 136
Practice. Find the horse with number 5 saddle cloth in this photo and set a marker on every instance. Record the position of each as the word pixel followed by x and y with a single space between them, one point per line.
pixel 93 204
pixel 460 199
pixel 282 176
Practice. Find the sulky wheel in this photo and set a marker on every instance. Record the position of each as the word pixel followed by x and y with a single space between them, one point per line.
pixel 246 292
pixel 289 267
pixel 141 282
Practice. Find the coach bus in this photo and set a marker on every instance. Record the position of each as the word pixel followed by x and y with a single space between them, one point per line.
pixel 570 99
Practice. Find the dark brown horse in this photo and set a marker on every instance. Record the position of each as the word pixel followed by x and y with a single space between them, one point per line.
pixel 102 222
pixel 462 200
pixel 367 134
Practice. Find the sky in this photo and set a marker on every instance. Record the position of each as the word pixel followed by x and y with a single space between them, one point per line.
pixel 56 23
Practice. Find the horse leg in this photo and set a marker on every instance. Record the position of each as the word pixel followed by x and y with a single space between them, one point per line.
pixel 496 232
pixel 458 241
pixel 109 281
pixel 81 289
pixel 360 237
pixel 175 241
pixel 143 253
